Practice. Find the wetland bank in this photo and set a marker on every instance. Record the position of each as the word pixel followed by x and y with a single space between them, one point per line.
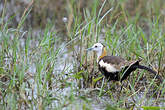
pixel 44 63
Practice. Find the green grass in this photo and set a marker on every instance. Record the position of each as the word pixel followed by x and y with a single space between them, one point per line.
pixel 44 71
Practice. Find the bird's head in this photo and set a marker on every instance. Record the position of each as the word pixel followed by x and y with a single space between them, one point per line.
pixel 100 50
pixel 98 47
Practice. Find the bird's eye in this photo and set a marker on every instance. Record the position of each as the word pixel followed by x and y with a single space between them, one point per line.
pixel 96 46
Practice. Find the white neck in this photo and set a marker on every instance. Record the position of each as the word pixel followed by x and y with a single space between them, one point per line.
pixel 98 55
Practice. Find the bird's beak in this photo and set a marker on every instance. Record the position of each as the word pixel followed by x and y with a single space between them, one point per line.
pixel 89 49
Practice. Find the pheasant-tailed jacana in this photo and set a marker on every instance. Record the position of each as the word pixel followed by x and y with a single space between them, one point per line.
pixel 114 67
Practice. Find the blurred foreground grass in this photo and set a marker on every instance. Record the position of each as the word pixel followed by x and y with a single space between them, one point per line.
pixel 51 69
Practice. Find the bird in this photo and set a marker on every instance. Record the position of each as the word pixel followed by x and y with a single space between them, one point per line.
pixel 116 68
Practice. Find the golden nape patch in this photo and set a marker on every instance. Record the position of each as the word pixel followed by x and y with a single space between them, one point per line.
pixel 104 53
pixel 108 67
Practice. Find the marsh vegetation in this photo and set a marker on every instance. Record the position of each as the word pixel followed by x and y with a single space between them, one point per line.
pixel 44 63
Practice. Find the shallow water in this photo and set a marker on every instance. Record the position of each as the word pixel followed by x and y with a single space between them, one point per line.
pixel 85 97
pixel 67 93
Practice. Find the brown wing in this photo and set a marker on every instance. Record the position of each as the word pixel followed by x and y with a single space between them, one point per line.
pixel 118 62
pixel 115 61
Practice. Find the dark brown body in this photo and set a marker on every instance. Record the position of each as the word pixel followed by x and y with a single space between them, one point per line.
pixel 125 68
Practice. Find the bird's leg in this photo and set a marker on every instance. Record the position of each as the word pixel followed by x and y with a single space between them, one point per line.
pixel 102 85
pixel 121 86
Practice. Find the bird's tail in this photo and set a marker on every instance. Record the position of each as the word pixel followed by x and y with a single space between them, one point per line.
pixel 150 70
pixel 146 68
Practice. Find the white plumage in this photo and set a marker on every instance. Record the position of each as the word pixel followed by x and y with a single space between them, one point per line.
pixel 108 67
